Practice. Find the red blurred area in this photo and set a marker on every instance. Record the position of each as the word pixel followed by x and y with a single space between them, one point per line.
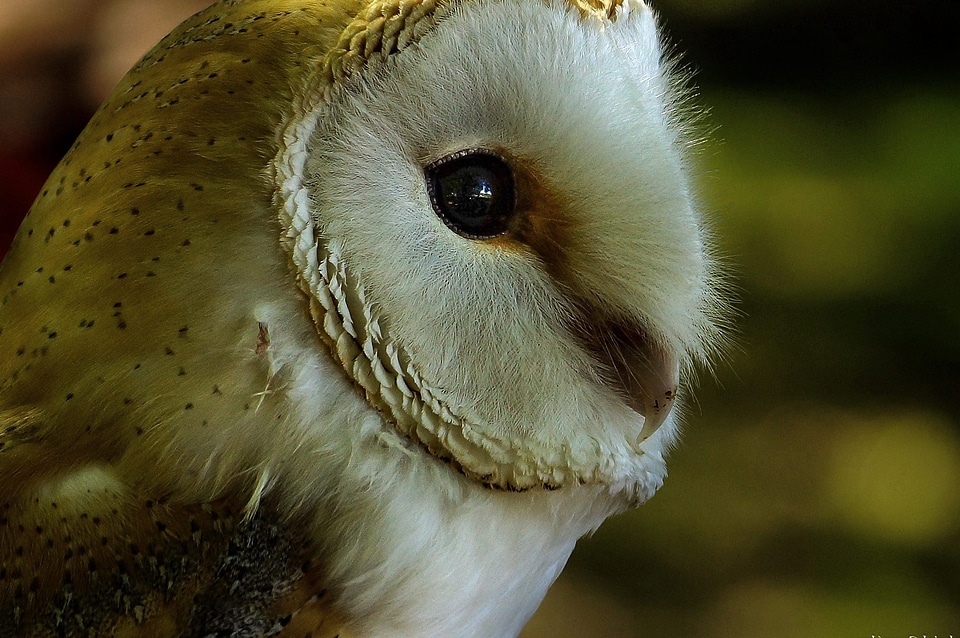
pixel 58 61
pixel 21 175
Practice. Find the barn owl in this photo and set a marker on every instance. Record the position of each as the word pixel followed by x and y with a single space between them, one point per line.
pixel 348 317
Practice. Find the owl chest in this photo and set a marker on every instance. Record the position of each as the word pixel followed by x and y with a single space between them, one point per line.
pixel 154 569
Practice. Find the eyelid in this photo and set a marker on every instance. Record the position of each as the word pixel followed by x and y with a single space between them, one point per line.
pixel 465 153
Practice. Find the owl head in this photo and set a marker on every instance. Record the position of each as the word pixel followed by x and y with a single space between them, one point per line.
pixel 471 217
pixel 487 208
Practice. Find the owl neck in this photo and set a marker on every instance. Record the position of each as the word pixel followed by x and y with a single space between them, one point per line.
pixel 409 547
pixel 433 554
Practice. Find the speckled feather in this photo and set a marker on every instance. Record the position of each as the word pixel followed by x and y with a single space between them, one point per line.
pixel 90 278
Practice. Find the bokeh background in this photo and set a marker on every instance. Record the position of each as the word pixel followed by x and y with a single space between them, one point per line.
pixel 817 488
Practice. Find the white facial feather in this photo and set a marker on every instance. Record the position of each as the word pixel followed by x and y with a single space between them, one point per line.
pixel 483 326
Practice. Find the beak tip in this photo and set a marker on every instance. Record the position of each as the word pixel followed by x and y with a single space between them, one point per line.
pixel 656 411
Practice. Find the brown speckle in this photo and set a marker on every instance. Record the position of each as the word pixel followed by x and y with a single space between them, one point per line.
pixel 263 338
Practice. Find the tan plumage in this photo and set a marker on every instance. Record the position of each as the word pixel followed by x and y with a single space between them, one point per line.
pixel 187 337
pixel 121 276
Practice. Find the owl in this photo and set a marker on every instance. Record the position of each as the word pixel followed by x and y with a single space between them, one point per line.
pixel 349 317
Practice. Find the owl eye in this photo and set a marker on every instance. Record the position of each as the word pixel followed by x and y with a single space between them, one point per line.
pixel 473 193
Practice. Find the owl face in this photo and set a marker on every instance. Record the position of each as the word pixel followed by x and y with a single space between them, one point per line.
pixel 489 213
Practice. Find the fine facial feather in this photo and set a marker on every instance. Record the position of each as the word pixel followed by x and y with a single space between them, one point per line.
pixel 156 347
pixel 632 253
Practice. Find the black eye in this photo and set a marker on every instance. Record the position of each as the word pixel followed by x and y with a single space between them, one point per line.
pixel 473 193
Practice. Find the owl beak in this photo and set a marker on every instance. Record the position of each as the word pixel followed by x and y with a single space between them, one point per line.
pixel 656 378
pixel 644 373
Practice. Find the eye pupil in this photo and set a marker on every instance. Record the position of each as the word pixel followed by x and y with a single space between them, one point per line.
pixel 473 193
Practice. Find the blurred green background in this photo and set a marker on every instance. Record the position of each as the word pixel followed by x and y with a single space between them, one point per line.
pixel 817 488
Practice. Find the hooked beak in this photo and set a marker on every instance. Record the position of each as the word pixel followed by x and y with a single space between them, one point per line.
pixel 643 373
